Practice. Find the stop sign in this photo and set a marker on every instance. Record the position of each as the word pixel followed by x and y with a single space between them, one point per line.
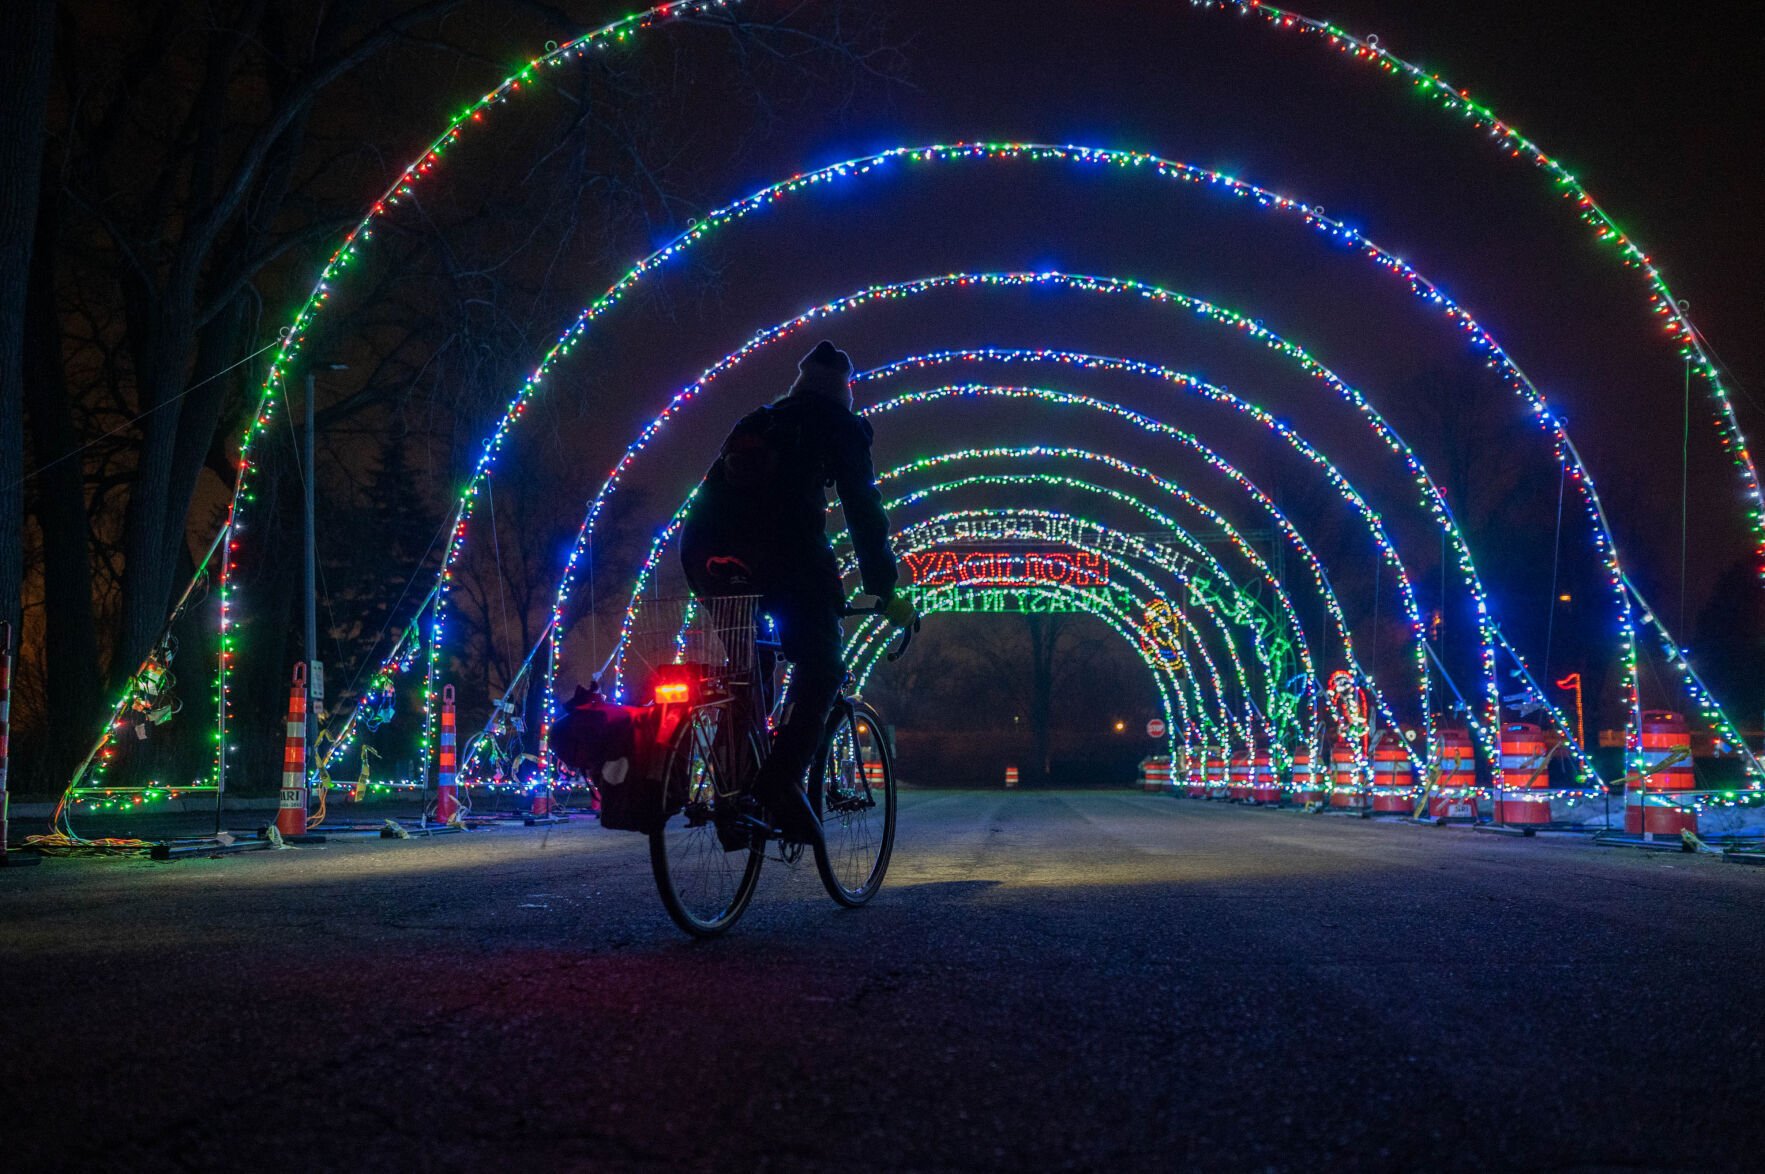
pixel 1155 728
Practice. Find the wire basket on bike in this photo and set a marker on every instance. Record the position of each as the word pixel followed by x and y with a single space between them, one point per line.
pixel 716 633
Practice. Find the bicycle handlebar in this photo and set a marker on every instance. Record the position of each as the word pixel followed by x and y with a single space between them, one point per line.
pixel 876 609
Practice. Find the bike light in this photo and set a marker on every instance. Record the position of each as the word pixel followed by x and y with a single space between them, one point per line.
pixel 674 683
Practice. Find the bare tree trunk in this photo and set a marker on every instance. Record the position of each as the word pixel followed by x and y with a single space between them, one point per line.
pixel 25 53
pixel 147 547
pixel 72 681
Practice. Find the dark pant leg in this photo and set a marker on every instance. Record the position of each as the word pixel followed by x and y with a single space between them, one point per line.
pixel 809 633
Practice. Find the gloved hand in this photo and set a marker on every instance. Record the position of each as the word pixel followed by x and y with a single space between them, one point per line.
pixel 898 610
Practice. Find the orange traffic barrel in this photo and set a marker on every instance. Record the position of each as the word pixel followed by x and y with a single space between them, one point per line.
pixel 1667 763
pixel 1305 784
pixel 1155 774
pixel 1347 791
pixel 1194 775
pixel 1263 786
pixel 1455 793
pixel 1238 786
pixel 1524 796
pixel 1219 779
pixel 1394 789
pixel 1010 777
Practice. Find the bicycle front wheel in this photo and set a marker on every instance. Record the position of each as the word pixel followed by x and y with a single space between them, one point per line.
pixel 704 888
pixel 857 808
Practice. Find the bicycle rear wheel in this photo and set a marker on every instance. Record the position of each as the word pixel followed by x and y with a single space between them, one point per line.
pixel 857 781
pixel 704 888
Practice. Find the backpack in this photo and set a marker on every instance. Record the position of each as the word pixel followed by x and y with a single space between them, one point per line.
pixel 614 746
pixel 762 445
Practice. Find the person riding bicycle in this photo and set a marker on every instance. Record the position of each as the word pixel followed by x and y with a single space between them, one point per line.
pixel 758 525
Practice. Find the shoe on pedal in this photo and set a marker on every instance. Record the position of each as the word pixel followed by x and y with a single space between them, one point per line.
pixel 738 827
pixel 792 815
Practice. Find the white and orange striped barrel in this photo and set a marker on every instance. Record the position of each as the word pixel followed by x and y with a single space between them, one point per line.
pixel 1155 774
pixel 1455 793
pixel 1648 806
pixel 1345 776
pixel 1010 777
pixel 291 809
pixel 1263 786
pixel 1524 797
pixel 1195 774
pixel 1305 782
pixel 1394 788
pixel 873 772
pixel 1238 777
pixel 1217 770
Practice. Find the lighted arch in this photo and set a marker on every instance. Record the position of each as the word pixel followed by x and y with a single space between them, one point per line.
pixel 1218 617
pixel 919 535
pixel 663 539
pixel 1244 548
pixel 1168 169
pixel 774 334
pixel 915 538
pixel 1255 494
pixel 1432 501
pixel 1176 717
pixel 1165 521
pixel 1677 322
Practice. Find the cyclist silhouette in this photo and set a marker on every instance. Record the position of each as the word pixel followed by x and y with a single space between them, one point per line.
pixel 758 526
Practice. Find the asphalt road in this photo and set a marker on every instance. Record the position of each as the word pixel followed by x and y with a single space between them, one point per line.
pixel 1049 980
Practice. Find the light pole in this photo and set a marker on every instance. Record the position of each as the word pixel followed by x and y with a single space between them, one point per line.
pixel 315 670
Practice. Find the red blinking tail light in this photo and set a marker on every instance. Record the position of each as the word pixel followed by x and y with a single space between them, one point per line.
pixel 675 684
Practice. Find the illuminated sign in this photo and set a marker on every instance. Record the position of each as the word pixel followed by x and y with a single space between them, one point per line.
pixel 1008 529
pixel 1006 568
pixel 1028 600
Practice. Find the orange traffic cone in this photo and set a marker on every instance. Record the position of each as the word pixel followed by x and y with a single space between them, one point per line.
pixel 291 814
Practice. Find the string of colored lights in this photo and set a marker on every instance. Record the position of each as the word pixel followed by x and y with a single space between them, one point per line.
pixel 1432 499
pixel 666 535
pixel 862 659
pixel 895 291
pixel 1291 533
pixel 1375 526
pixel 659 547
pixel 425 165
pixel 1190 592
pixel 1677 324
pixel 1664 304
pixel 922 536
pixel 1221 524
pixel 1165 168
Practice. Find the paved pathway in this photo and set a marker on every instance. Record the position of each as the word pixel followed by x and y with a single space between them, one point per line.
pixel 1081 980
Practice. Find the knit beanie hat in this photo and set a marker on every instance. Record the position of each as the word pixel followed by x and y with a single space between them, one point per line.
pixel 824 371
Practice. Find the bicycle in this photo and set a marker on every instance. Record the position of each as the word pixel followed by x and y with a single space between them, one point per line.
pixel 707 854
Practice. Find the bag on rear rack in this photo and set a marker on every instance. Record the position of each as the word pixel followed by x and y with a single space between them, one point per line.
pixel 614 746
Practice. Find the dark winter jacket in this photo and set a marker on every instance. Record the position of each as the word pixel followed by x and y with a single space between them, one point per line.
pixel 764 500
